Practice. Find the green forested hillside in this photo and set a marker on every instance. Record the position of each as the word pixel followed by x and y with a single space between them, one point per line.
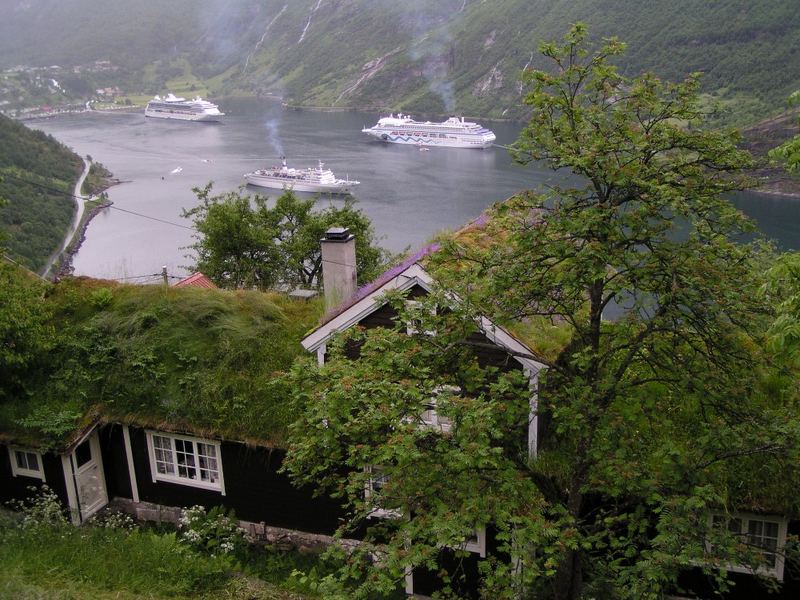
pixel 427 57
pixel 35 219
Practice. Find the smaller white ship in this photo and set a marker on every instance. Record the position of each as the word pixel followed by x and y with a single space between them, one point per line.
pixel 453 133
pixel 175 107
pixel 319 180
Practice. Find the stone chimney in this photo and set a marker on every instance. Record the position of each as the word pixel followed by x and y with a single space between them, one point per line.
pixel 338 266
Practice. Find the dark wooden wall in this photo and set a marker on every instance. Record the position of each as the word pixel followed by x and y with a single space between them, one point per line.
pixel 115 462
pixel 253 489
pixel 17 488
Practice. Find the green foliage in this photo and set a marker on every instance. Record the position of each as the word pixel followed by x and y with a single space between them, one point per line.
pixel 97 180
pixel 432 57
pixel 41 510
pixel 213 532
pixel 25 327
pixel 243 243
pixel 783 291
pixel 37 175
pixel 139 562
pixel 662 396
pixel 43 555
pixel 789 152
pixel 441 483
pixel 204 360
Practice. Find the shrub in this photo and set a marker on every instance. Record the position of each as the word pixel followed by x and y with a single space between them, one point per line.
pixel 214 531
pixel 41 509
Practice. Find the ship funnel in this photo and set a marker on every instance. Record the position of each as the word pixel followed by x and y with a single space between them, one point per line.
pixel 338 266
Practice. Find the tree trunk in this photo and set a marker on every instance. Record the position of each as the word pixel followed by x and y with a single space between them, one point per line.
pixel 569 578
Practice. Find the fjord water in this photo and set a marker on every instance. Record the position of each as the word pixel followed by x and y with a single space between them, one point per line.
pixel 409 195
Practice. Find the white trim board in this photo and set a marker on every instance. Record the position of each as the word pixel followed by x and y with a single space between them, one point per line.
pixel 414 275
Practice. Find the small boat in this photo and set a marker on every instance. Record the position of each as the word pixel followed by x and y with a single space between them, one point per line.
pixel 319 180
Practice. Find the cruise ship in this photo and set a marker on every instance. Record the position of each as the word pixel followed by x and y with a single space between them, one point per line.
pixel 319 180
pixel 453 133
pixel 175 107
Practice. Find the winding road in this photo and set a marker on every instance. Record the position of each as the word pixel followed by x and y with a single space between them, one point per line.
pixel 80 204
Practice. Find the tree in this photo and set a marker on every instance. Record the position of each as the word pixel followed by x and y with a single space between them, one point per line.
pixel 663 404
pixel 789 152
pixel 243 242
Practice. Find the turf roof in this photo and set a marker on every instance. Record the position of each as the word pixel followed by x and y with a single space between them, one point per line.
pixel 182 359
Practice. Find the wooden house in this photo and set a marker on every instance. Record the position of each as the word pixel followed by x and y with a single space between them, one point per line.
pixel 171 444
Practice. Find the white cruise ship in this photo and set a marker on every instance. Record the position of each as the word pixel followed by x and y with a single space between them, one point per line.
pixel 319 180
pixel 453 133
pixel 174 107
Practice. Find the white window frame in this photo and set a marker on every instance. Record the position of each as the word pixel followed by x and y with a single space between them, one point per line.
pixel 369 491
pixel 479 545
pixel 18 471
pixel 433 420
pixel 746 518
pixel 218 486
pixel 410 328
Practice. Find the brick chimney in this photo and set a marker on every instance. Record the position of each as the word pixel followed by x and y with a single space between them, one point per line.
pixel 338 266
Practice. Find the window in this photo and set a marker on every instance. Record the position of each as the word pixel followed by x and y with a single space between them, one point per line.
pixel 185 460
pixel 413 308
pixel 83 453
pixel 760 532
pixel 373 492
pixel 26 463
pixel 476 542
pixel 431 417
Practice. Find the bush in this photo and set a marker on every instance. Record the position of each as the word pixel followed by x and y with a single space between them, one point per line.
pixel 42 509
pixel 214 532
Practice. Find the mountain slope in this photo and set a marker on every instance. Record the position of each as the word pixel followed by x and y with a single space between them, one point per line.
pixel 37 175
pixel 449 56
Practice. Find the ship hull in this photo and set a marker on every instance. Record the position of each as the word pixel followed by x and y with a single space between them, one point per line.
pixel 422 139
pixel 298 186
pixel 176 116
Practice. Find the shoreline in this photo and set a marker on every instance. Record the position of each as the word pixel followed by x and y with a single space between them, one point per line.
pixel 65 268
pixel 773 179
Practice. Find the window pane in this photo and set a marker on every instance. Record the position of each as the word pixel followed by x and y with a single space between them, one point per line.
pixel 26 460
pixel 162 449
pixel 33 461
pixel 206 457
pixel 764 534
pixel 83 453
pixel 735 526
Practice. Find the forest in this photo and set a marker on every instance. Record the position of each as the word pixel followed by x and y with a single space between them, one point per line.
pixel 37 177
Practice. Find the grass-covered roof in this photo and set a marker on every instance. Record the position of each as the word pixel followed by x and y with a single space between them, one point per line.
pixel 181 359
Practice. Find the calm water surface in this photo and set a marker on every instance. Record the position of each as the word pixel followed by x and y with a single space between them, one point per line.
pixel 408 194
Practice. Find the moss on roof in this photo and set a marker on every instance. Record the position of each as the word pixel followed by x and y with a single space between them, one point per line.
pixel 182 359
pixel 546 336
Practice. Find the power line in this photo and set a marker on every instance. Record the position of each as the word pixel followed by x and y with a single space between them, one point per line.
pixel 21 266
pixel 131 212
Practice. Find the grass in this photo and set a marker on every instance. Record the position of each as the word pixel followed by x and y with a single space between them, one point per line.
pixel 202 360
pixel 66 563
